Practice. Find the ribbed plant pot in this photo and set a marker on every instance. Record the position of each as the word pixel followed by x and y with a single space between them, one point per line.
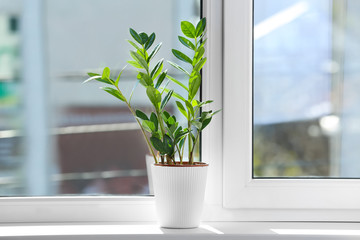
pixel 179 194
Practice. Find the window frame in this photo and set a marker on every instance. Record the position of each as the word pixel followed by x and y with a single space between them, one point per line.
pixel 280 199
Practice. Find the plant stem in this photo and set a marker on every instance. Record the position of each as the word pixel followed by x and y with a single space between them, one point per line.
pixel 141 128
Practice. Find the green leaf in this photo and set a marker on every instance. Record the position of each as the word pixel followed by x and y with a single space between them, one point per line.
pixel 160 79
pixel 140 60
pixel 114 92
pixel 197 124
pixel 135 35
pixel 205 123
pixel 135 46
pixel 157 69
pixel 157 144
pixel 95 77
pixel 106 73
pixel 178 96
pixel 198 66
pixel 133 89
pixel 216 112
pixel 154 96
pixel 135 64
pixel 141 115
pixel 189 107
pixel 143 76
pixel 198 55
pixel 168 145
pixel 156 49
pixel 188 29
pixel 118 78
pixel 181 56
pixel 195 103
pixel 186 42
pixel 177 82
pixel 148 125
pixel 150 41
pixel 144 37
pixel 179 67
pixel 203 43
pixel 194 84
pixel 90 74
pixel 181 143
pixel 166 99
pixel 165 115
pixel 200 27
pixel 155 120
pixel 182 109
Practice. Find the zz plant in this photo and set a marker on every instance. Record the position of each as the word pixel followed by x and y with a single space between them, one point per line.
pixel 161 130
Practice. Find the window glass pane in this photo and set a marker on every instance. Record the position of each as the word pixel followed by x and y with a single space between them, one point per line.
pixel 306 88
pixel 95 146
pixel 11 118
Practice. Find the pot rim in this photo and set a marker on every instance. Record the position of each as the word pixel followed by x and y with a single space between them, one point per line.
pixel 185 164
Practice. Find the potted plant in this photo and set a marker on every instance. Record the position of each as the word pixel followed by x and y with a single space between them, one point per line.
pixel 179 181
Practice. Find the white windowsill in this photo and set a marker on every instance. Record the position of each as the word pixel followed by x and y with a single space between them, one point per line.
pixel 208 230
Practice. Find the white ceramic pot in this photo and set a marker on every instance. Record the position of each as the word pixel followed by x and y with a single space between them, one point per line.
pixel 149 162
pixel 179 194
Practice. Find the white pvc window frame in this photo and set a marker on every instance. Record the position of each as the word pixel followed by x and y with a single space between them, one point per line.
pixel 267 199
pixel 113 208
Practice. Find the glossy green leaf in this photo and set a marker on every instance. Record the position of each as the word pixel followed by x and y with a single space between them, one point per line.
pixel 168 145
pixel 154 96
pixel 154 51
pixel 141 115
pixel 157 69
pixel 135 46
pixel 202 43
pixel 114 92
pixel 144 37
pixel 155 120
pixel 198 55
pixel 135 35
pixel 181 109
pixel 133 89
pixel 160 79
pixel 94 77
pixel 178 96
pixel 198 66
pixel 90 74
pixel 118 78
pixel 197 124
pixel 189 107
pixel 188 29
pixel 140 60
pixel 135 64
pixel 194 85
pixel 181 56
pixel 216 112
pixel 186 42
pixel 157 144
pixel 106 73
pixel 205 123
pixel 165 115
pixel 143 76
pixel 179 67
pixel 150 41
pixel 177 82
pixel 200 27
pixel 166 99
pixel 181 143
pixel 148 125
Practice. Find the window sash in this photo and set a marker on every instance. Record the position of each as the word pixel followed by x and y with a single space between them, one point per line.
pixel 320 199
